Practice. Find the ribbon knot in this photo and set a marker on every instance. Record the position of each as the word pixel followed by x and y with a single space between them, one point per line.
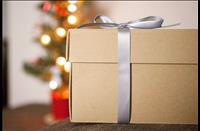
pixel 149 22
pixel 123 25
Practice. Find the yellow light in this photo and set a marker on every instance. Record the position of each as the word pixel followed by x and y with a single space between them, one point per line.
pixel 61 32
pixel 72 1
pixel 71 8
pixel 67 66
pixel 53 85
pixel 72 19
pixel 45 39
pixel 61 61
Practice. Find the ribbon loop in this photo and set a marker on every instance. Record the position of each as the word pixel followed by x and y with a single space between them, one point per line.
pixel 149 22
pixel 102 19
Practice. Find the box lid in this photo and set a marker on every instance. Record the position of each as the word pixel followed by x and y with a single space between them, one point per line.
pixel 147 45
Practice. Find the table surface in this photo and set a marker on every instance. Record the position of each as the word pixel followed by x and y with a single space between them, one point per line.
pixel 67 126
pixel 25 118
pixel 31 118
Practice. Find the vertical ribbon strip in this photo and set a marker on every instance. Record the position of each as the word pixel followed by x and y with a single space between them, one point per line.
pixel 124 43
pixel 124 75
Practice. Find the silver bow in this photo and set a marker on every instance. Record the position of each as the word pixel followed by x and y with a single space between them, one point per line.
pixel 149 22
pixel 124 71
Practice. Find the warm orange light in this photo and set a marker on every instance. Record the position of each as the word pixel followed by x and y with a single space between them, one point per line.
pixel 61 61
pixel 53 85
pixel 71 8
pixel 72 19
pixel 65 94
pixel 61 32
pixel 72 1
pixel 67 66
pixel 45 39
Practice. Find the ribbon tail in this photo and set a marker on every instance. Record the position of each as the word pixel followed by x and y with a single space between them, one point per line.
pixel 111 25
pixel 176 24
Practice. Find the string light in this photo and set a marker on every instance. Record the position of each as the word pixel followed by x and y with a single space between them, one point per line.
pixel 71 8
pixel 53 85
pixel 45 39
pixel 61 61
pixel 67 66
pixel 61 32
pixel 72 19
pixel 72 1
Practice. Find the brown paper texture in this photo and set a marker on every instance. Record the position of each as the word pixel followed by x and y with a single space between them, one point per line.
pixel 164 86
pixel 147 46
pixel 160 93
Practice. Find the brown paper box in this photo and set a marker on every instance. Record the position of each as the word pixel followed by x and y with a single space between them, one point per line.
pixel 164 86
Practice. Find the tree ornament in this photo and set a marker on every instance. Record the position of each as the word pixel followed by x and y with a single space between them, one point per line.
pixel 46 6
pixel 56 7
pixel 63 12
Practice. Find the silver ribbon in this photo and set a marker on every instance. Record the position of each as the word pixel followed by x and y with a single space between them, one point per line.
pixel 124 43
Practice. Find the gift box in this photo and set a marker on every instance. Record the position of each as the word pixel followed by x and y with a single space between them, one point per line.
pixel 163 75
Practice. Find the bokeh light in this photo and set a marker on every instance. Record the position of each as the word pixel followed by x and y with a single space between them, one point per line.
pixel 45 39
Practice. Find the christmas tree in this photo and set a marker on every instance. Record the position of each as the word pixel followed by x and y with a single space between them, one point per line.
pixel 53 67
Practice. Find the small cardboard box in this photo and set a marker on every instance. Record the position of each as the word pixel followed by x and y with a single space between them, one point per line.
pixel 164 85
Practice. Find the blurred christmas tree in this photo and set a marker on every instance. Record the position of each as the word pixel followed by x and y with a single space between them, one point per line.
pixel 53 67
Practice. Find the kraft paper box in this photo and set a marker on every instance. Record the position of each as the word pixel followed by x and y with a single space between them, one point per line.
pixel 164 85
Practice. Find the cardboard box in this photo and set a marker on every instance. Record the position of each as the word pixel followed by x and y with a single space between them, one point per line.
pixel 164 85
